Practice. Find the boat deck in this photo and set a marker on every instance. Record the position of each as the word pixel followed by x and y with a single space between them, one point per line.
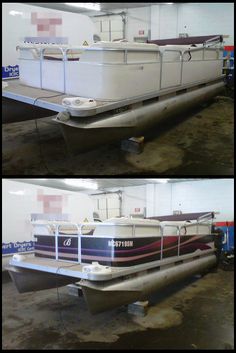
pixel 76 269
pixel 52 100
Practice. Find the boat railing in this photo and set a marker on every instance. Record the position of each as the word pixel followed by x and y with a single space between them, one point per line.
pixel 160 58
pixel 42 50
pixel 57 235
pixel 180 230
pixel 89 225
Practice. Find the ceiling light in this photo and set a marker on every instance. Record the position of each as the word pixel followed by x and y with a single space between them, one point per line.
pixel 20 192
pixel 82 183
pixel 85 5
pixel 14 13
pixel 169 3
pixel 161 180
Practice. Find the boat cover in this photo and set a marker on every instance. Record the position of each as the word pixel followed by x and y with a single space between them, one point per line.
pixel 182 217
pixel 187 40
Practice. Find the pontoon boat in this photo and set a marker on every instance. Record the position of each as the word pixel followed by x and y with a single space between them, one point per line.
pixel 114 90
pixel 118 261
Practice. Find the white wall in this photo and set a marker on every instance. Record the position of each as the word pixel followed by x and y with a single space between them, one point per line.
pixel 167 21
pixel 209 195
pixel 106 205
pixel 168 17
pixel 138 19
pixel 159 199
pixel 198 196
pixel 196 19
pixel 155 22
pixel 162 199
pixel 109 27
pixel 78 28
pixel 17 207
pixel 133 198
pixel 207 18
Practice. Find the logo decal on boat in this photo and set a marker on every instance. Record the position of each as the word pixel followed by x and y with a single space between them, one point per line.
pixel 67 242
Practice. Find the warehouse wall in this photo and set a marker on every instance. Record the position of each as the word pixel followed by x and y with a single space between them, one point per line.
pixel 162 199
pixel 159 199
pixel 168 21
pixel 109 205
pixel 198 196
pixel 138 23
pixel 106 205
pixel 111 27
pixel 209 18
pixel 19 200
pixel 193 19
pixel 164 21
pixel 134 200
pixel 19 23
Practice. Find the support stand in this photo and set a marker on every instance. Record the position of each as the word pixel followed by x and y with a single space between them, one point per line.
pixel 133 145
pixel 138 308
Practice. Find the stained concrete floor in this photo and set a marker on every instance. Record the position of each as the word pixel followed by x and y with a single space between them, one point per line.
pixel 196 143
pixel 195 314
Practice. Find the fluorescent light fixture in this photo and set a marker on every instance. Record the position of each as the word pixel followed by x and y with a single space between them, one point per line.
pixel 169 3
pixel 161 180
pixel 82 183
pixel 20 192
pixel 14 13
pixel 85 5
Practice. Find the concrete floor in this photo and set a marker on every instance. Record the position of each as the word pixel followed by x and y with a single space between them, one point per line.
pixel 197 143
pixel 194 314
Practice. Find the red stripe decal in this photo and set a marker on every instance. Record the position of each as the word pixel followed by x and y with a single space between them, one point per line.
pixel 229 47
pixel 224 224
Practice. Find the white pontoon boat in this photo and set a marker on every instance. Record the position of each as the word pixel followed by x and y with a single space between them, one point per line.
pixel 113 90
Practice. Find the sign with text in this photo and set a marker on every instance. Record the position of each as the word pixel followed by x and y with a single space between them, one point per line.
pixel 16 247
pixel 10 71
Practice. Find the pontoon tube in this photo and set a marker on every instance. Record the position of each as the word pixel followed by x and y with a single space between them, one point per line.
pixel 83 134
pixel 106 296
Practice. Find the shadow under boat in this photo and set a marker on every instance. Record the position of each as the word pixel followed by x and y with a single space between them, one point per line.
pixel 14 111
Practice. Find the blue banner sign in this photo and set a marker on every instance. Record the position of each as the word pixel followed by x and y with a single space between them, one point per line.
pixel 10 71
pixel 12 248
